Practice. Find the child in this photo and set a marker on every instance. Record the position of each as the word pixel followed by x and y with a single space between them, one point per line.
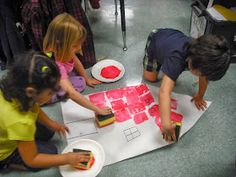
pixel 63 39
pixel 169 50
pixel 31 81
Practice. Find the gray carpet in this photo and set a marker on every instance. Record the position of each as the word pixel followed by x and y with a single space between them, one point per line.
pixel 209 148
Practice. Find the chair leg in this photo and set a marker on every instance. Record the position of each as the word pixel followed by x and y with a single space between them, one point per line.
pixel 123 25
pixel 124 40
pixel 116 12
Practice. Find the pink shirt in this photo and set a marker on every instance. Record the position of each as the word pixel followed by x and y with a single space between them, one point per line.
pixel 65 68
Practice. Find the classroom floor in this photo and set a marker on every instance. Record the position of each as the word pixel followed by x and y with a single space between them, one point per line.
pixel 209 148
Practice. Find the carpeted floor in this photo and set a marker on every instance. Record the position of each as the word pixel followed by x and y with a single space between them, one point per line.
pixel 209 148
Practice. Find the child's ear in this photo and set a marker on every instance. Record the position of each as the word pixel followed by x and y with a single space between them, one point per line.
pixel 30 92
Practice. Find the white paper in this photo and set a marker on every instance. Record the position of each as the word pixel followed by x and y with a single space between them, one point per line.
pixel 127 139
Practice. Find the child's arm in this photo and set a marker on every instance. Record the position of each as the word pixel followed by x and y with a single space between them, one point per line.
pixel 44 119
pixel 164 98
pixel 80 99
pixel 198 98
pixel 80 69
pixel 38 160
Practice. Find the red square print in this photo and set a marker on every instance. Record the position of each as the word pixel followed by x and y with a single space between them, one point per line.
pixel 154 111
pixel 97 98
pixel 141 89
pixel 128 89
pixel 158 122
pixel 118 105
pixel 176 117
pixel 122 115
pixel 140 118
pixel 114 94
pixel 101 105
pixel 132 98
pixel 131 95
pixel 136 108
pixel 173 104
pixel 147 99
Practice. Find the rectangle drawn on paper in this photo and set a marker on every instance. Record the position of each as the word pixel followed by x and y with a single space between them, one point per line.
pixel 81 128
pixel 131 133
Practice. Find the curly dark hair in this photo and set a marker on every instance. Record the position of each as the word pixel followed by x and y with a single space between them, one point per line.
pixel 210 54
pixel 31 69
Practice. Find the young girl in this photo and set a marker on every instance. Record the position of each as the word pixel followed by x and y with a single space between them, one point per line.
pixel 31 81
pixel 63 39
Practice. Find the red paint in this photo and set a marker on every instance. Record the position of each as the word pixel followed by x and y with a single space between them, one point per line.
pixel 140 118
pixel 97 98
pixel 128 102
pixel 154 111
pixel 132 98
pixel 176 117
pixel 158 122
pixel 131 95
pixel 114 94
pixel 118 105
pixel 173 104
pixel 136 108
pixel 147 99
pixel 101 105
pixel 122 115
pixel 110 72
pixel 141 89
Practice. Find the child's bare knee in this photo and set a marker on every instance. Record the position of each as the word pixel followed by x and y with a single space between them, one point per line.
pixel 150 78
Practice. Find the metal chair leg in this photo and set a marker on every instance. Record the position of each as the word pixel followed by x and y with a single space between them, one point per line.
pixel 124 40
pixel 123 25
pixel 116 12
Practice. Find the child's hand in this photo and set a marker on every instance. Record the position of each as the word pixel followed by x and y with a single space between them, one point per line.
pixel 75 158
pixel 199 102
pixel 92 82
pixel 168 131
pixel 60 128
pixel 104 111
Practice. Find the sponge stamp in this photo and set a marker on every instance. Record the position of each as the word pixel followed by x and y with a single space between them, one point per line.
pixel 88 164
pixel 103 121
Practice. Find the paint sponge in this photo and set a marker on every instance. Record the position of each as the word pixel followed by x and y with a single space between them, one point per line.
pixel 177 130
pixel 88 164
pixel 103 121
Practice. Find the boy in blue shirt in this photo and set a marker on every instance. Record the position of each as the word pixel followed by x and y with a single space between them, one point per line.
pixel 169 50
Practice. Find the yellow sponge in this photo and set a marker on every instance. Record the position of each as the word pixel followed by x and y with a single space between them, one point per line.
pixel 105 120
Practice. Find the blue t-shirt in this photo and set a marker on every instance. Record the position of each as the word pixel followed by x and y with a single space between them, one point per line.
pixel 169 47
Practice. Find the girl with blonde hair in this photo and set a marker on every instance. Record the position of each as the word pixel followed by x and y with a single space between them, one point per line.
pixel 64 38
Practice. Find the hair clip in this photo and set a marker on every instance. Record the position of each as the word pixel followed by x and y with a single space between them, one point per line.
pixel 49 54
pixel 44 69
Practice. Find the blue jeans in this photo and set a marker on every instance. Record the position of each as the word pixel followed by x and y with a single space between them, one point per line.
pixel 42 136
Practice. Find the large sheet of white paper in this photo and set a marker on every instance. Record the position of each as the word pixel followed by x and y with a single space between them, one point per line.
pixel 123 140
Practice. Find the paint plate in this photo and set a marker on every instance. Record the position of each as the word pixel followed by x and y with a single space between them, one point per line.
pixel 100 66
pixel 86 144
